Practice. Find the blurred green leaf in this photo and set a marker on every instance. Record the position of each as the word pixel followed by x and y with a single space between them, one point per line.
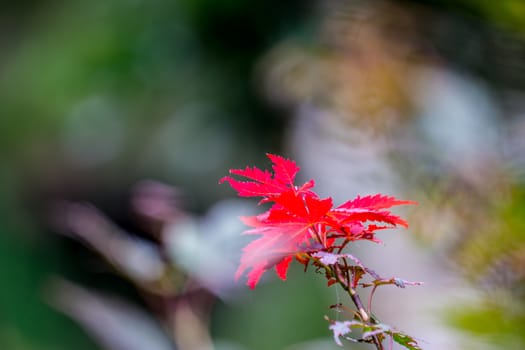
pixel 493 323
pixel 406 340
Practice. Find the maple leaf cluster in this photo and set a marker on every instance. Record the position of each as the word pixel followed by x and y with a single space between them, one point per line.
pixel 299 223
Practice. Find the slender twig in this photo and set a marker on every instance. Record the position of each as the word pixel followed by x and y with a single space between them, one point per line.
pixel 343 245
pixel 370 297
pixel 344 281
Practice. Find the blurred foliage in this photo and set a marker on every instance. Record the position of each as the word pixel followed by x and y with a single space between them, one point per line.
pixel 298 305
pixel 487 254
pixel 117 87
pixel 493 323
pixel 97 95
pixel 509 14
pixel 428 99
pixel 494 258
pixel 26 321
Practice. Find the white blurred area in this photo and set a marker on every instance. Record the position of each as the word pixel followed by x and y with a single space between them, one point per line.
pixel 209 248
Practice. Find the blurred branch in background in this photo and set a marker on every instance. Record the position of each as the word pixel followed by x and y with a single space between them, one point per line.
pixel 179 269
pixel 116 325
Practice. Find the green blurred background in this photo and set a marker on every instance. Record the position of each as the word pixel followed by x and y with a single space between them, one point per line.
pixel 422 99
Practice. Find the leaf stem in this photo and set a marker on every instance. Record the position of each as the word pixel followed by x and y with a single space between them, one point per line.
pixel 370 297
pixel 344 280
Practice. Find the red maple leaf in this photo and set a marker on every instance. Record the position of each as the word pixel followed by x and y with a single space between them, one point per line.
pixel 299 222
pixel 374 202
pixel 263 184
pixel 293 225
pixel 353 215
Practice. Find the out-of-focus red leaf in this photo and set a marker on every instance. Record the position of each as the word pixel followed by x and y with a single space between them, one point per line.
pixel 286 229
